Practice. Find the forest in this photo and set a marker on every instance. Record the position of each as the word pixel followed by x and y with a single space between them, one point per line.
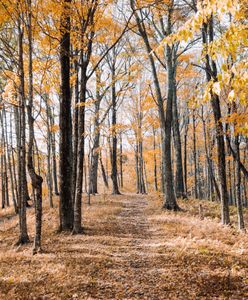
pixel 123 149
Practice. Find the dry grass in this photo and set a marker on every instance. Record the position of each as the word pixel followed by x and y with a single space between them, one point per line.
pixel 130 249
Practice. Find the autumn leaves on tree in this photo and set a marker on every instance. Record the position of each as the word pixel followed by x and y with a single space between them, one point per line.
pixel 151 90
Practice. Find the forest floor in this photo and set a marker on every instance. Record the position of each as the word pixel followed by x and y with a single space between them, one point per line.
pixel 130 249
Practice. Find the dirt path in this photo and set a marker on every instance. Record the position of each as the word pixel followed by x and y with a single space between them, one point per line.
pixel 130 250
pixel 126 270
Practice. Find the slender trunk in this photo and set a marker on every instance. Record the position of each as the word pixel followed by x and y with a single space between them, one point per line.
pixel 241 224
pixel 5 146
pixel 141 168
pixel 49 141
pixel 244 178
pixel 94 165
pixel 95 151
pixel 35 178
pixel 54 160
pixel 185 155
pixel 211 73
pixel 155 160
pixel 114 172
pixel 10 163
pixel 4 168
pixel 137 168
pixel 77 226
pixel 15 162
pixel 2 181
pixel 209 164
pixel 121 161
pixel 75 130
pixel 179 184
pixel 22 182
pixel 195 157
pixel 229 167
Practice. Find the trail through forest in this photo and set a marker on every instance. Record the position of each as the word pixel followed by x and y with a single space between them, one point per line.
pixel 130 250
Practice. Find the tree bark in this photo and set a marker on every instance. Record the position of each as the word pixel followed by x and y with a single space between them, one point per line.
pixel 114 172
pixel 179 184
pixel 77 226
pixel 35 178
pixel 49 143
pixel 104 175
pixel 66 208
pixel 75 128
pixel 10 163
pixel 95 149
pixel 211 74
pixel 22 182
pixel 155 161
pixel 165 117
pixel 196 183
pixel 186 156
pixel 54 160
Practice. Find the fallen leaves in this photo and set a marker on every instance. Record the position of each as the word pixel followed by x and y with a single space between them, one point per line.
pixel 131 249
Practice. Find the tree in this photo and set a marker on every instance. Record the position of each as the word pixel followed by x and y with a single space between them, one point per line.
pixel 22 181
pixel 165 116
pixel 36 179
pixel 66 201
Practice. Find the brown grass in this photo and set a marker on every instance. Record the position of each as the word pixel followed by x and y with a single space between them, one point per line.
pixel 130 249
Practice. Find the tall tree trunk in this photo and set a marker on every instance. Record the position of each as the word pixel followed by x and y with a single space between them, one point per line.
pixel 49 142
pixel 15 163
pixel 75 128
pixel 54 160
pixel 95 151
pixel 35 178
pixel 96 140
pixel 141 168
pixel 245 202
pixel 165 117
pixel 4 163
pixel 85 55
pixel 10 163
pixel 155 160
pixel 179 184
pixel 209 163
pixel 170 198
pixel 22 182
pixel 196 183
pixel 241 224
pixel 185 155
pixel 2 180
pixel 121 161
pixel 66 208
pixel 94 165
pixel 211 73
pixel 114 172
pixel 136 153
pixel 77 226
